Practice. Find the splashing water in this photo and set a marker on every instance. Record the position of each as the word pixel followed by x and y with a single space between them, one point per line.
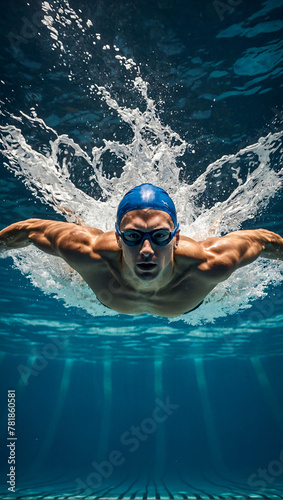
pixel 151 155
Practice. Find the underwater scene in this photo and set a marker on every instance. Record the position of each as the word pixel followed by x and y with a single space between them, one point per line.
pixel 97 97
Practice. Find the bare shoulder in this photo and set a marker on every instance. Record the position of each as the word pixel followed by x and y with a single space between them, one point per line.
pixel 211 259
pixel 222 256
pixel 106 243
pixel 205 249
pixel 84 244
pixel 189 252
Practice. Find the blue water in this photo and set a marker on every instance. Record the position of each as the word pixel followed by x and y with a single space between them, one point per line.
pixel 96 97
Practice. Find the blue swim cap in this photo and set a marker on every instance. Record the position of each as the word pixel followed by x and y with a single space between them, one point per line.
pixel 146 196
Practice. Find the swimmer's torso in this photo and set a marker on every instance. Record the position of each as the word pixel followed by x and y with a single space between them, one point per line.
pixel 102 272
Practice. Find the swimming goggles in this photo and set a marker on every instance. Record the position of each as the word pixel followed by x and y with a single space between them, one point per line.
pixel 160 237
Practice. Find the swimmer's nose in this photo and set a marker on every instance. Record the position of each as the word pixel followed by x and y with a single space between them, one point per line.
pixel 146 248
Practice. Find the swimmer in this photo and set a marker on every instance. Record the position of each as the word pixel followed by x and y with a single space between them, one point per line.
pixel 145 265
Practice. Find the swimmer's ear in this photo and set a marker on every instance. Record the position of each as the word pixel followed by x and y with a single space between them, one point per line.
pixel 177 239
pixel 118 239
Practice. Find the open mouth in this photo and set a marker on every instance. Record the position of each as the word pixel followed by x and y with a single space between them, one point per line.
pixel 146 266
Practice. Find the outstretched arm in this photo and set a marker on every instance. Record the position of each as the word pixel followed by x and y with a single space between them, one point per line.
pixel 62 239
pixel 237 249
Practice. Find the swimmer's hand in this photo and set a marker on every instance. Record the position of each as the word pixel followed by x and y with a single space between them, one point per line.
pixel 273 245
pixel 13 237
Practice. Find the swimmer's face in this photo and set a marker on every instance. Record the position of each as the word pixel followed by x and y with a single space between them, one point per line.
pixel 148 260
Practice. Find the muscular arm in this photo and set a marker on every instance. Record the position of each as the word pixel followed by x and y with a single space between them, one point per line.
pixel 62 239
pixel 226 254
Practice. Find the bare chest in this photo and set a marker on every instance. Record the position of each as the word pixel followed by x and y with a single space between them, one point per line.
pixel 113 292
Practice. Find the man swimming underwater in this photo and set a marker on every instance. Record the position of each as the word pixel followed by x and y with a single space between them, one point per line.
pixel 145 266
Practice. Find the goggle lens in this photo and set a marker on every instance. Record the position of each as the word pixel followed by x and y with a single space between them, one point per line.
pixel 133 237
pixel 159 237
